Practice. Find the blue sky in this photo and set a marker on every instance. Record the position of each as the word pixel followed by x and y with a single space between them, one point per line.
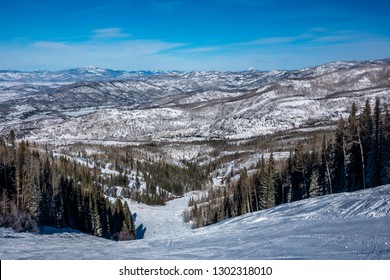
pixel 224 35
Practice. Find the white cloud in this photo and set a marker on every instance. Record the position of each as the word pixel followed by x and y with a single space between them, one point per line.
pixel 318 30
pixel 109 33
pixel 271 41
pixel 50 45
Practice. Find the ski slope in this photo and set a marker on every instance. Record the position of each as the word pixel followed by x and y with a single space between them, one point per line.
pixel 340 226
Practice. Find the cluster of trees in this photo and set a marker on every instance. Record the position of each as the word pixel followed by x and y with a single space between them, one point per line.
pixel 356 157
pixel 175 179
pixel 38 189
pixel 142 175
pixel 162 181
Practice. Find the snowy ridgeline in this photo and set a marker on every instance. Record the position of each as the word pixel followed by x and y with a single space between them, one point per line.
pixel 101 105
pixel 341 226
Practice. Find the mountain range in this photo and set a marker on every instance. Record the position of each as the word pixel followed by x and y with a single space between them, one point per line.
pixel 93 104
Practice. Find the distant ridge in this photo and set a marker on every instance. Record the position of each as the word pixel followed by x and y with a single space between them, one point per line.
pixel 92 73
pixel 115 105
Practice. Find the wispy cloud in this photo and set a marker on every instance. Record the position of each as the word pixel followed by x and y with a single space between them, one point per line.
pixel 318 29
pixel 336 37
pixel 50 45
pixel 200 50
pixel 109 33
pixel 313 36
pixel 269 41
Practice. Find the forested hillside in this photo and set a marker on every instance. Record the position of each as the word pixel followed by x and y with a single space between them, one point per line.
pixel 356 156
pixel 38 189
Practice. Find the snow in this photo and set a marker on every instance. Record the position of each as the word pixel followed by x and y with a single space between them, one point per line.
pixel 340 226
pixel 161 222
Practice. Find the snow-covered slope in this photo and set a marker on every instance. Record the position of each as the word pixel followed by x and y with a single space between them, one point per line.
pixel 340 226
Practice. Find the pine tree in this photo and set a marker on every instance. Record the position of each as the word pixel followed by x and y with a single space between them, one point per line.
pixel 270 183
pixel 289 172
pixel 365 138
pixel 374 154
pixel 241 194
pixel 128 221
pixel 314 188
pixel 46 214
pixel 12 138
pixel 116 224
pixel 282 183
pixel 261 185
pixel 33 202
pixel 324 170
pixel 339 158
pixel 298 174
pixel 354 164
pixel 384 149
pixel 96 222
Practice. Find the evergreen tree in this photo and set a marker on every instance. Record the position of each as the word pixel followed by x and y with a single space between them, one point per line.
pixel 324 168
pixel 261 185
pixel 270 183
pixel 384 149
pixel 96 222
pixel 365 138
pixel 298 174
pixel 354 165
pixel 339 158
pixel 12 138
pixel 128 221
pixel 241 194
pixel 374 153
pixel 46 207
pixel 314 188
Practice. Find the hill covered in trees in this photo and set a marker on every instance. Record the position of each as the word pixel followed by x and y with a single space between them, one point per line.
pixel 355 156
pixel 38 189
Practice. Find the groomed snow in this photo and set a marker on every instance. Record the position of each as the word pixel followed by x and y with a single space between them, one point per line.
pixel 341 226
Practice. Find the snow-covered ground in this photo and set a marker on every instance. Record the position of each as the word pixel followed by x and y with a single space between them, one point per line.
pixel 341 226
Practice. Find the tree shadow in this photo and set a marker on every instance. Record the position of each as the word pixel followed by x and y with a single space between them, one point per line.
pixel 49 230
pixel 140 232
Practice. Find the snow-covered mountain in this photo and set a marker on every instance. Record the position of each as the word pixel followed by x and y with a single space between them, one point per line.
pixel 88 73
pixel 173 113
pixel 178 106
pixel 341 226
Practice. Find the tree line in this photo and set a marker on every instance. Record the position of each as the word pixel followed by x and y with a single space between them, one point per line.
pixel 38 189
pixel 355 157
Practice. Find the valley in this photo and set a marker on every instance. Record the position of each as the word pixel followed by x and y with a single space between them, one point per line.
pixel 195 154
pixel 185 107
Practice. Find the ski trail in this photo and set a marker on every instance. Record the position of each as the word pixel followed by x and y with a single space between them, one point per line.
pixel 317 228
pixel 161 222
